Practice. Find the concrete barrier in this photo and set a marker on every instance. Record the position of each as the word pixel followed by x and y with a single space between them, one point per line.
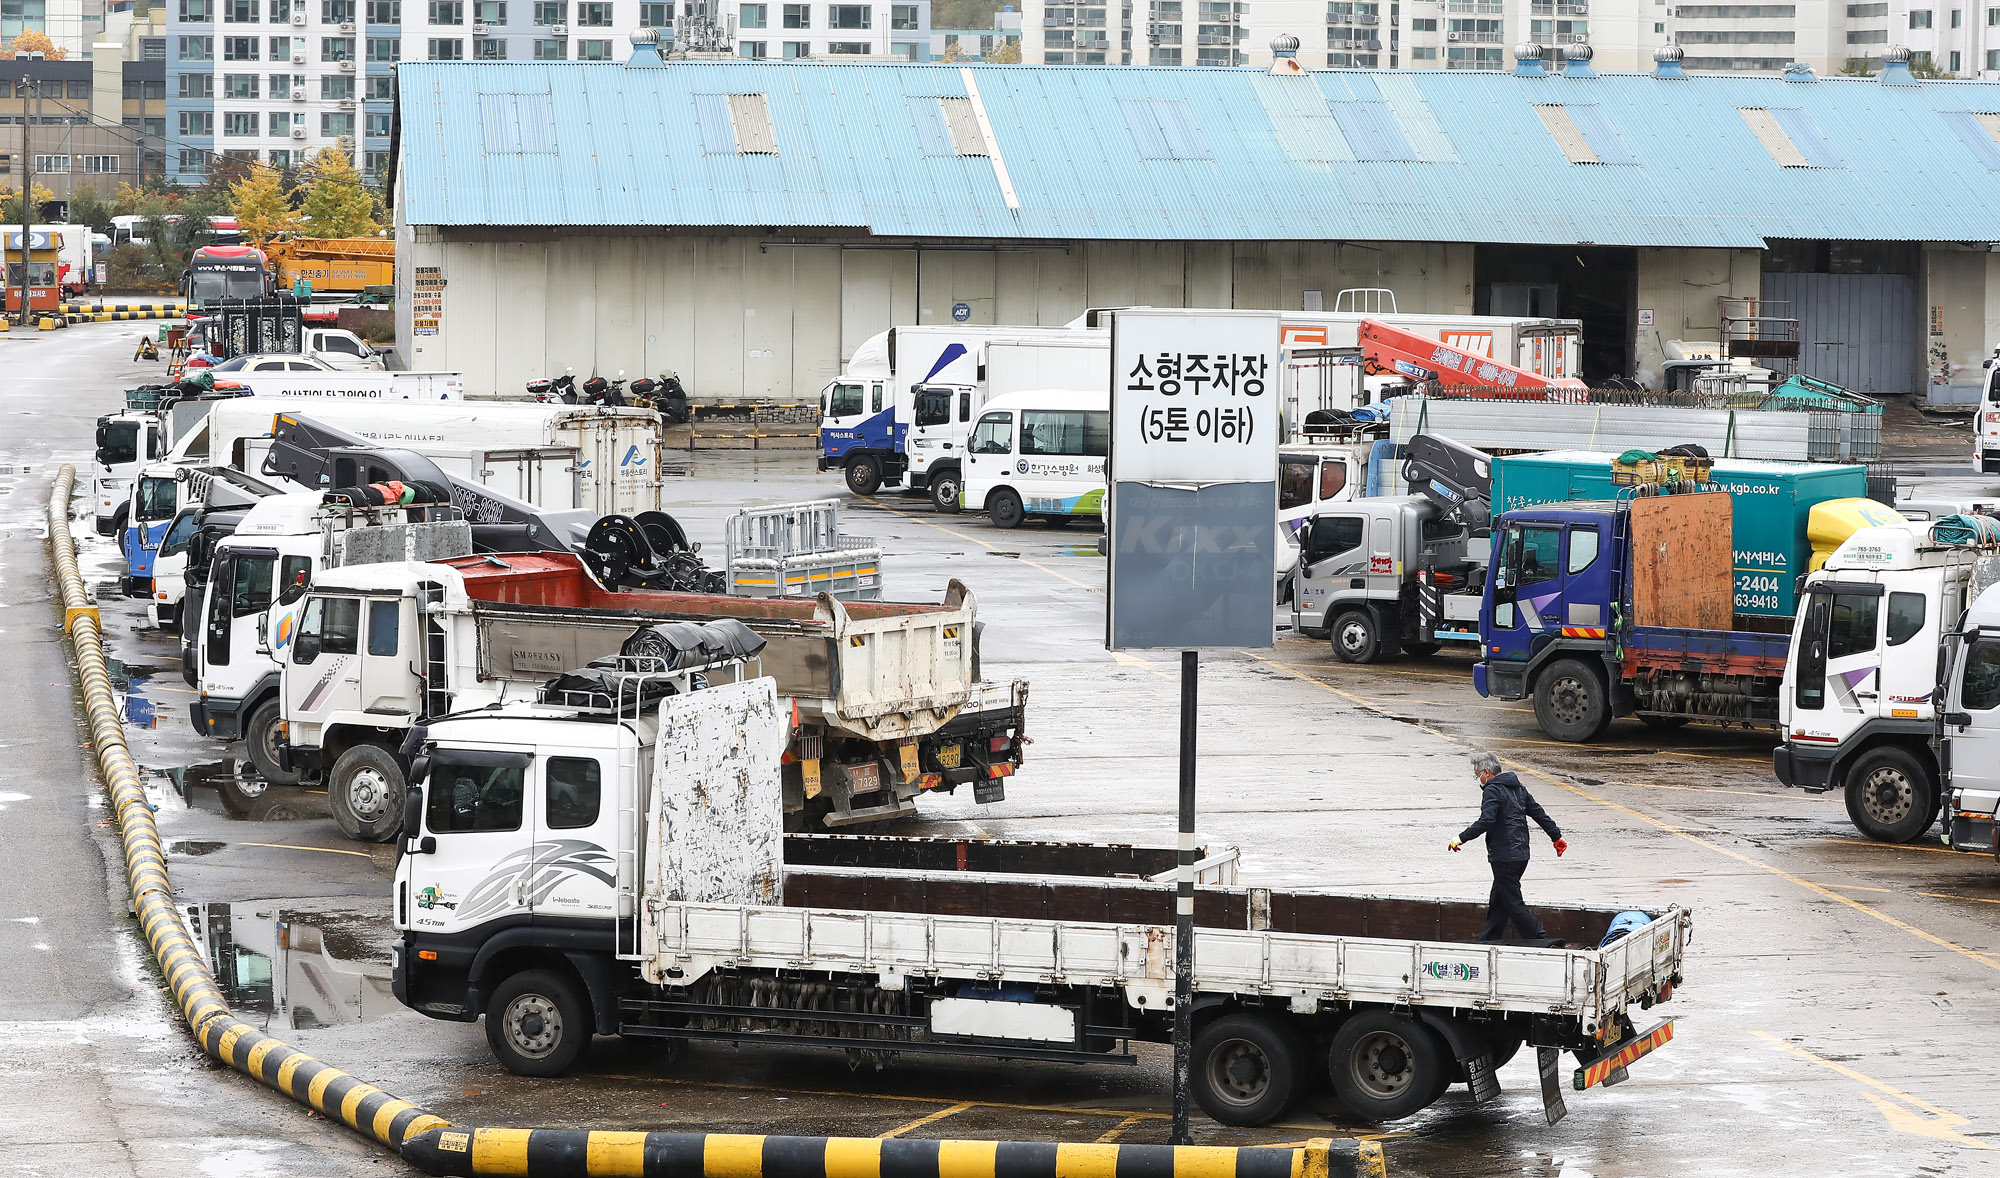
pixel 435 1146
pixel 579 1153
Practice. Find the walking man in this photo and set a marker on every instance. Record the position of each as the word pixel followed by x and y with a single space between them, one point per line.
pixel 1504 810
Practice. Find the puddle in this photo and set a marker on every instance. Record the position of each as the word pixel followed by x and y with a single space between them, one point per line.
pixel 297 968
pixel 1009 555
pixel 194 848
pixel 232 787
pixel 140 712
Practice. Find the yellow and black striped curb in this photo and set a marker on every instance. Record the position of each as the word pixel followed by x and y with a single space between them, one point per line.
pixel 325 1089
pixel 123 308
pixel 579 1153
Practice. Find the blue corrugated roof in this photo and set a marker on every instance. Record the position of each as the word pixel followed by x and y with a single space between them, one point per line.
pixel 1146 154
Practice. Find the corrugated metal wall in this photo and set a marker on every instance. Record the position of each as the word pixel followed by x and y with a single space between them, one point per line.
pixel 1857 330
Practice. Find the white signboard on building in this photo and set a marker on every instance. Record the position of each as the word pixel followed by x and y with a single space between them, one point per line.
pixel 1193 478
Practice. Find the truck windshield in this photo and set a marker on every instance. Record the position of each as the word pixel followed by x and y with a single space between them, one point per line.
pixel 994 434
pixel 157 500
pixel 177 536
pixel 204 285
pixel 1295 481
pixel 472 797
pixel 844 401
pixel 933 406
pixel 118 442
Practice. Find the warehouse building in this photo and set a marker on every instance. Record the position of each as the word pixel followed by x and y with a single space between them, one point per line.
pixel 747 225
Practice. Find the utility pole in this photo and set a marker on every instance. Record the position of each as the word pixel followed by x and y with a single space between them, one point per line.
pixel 27 197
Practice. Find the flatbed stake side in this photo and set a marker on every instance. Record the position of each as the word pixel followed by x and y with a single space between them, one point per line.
pixel 665 799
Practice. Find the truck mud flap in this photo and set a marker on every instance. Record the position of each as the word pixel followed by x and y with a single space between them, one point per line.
pixel 1548 1061
pixel 1609 1068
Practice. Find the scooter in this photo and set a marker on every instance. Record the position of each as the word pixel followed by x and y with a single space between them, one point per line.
pixel 562 389
pixel 599 391
pixel 665 395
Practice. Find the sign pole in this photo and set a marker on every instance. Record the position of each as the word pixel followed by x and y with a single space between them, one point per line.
pixel 1184 904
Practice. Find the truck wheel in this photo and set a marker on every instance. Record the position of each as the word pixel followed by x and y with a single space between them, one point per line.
pixel 1384 1067
pixel 864 476
pixel 1890 796
pixel 1004 509
pixel 945 487
pixel 1355 639
pixel 1246 1069
pixel 1571 703
pixel 365 793
pixel 538 1024
pixel 260 739
pixel 118 518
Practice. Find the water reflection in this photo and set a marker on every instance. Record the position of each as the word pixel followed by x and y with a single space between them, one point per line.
pixel 289 969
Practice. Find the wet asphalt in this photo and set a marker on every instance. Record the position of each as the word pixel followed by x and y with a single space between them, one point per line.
pixel 1838 1015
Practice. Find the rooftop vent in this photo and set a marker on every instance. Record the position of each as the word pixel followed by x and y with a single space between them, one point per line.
pixel 1285 55
pixel 1528 60
pixel 1576 60
pixel 645 49
pixel 1896 68
pixel 1798 71
pixel 1667 62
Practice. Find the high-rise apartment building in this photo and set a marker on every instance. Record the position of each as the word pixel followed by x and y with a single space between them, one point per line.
pixel 892 30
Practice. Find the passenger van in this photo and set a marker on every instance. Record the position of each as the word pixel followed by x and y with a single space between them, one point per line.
pixel 1039 454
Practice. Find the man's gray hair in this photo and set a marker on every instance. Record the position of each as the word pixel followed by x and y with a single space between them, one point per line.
pixel 1484 762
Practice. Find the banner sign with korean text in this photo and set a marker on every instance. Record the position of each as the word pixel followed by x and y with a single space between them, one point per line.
pixel 1193 480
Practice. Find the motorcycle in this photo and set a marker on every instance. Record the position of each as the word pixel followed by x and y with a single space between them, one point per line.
pixel 666 395
pixel 561 389
pixel 599 391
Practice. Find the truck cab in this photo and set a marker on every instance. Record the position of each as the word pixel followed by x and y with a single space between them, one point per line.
pixel 126 442
pixel 1364 569
pixel 1968 729
pixel 1986 428
pixel 257 581
pixel 1856 704
pixel 857 421
pixel 1547 582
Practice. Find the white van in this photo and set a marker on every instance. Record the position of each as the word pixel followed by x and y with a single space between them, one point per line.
pixel 1039 454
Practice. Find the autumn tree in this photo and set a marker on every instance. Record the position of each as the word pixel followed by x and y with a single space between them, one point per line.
pixel 337 203
pixel 12 211
pixel 36 41
pixel 1008 54
pixel 262 212
pixel 87 206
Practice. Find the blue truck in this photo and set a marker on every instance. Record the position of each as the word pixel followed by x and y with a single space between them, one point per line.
pixel 1597 609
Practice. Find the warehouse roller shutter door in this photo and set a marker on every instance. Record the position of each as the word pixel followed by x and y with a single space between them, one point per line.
pixel 1857 330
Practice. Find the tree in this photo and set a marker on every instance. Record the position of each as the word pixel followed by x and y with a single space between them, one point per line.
pixel 36 41
pixel 87 206
pixel 1007 54
pixel 954 53
pixel 337 203
pixel 1856 67
pixel 12 211
pixel 262 211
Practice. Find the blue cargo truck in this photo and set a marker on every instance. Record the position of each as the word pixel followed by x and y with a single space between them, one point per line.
pixel 1596 609
pixel 1770 548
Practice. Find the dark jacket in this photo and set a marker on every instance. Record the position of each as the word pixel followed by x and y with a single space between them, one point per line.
pixel 1504 811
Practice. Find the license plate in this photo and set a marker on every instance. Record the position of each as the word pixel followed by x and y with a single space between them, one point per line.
pixel 947 755
pixel 809 775
pixel 909 752
pixel 864 777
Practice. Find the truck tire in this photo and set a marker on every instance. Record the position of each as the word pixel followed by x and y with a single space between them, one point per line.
pixel 1570 701
pixel 117 529
pixel 945 486
pixel 1356 639
pixel 864 475
pixel 260 740
pixel 1246 1069
pixel 1385 1068
pixel 365 792
pixel 1003 507
pixel 538 1023
pixel 1890 796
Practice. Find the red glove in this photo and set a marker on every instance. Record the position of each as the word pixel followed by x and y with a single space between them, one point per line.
pixel 1561 846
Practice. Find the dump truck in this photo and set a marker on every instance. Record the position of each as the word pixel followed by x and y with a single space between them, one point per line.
pixel 613 864
pixel 884 698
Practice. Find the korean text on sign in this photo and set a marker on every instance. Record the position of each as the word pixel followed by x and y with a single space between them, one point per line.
pixel 1199 375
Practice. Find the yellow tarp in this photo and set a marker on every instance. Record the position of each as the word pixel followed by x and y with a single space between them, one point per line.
pixel 1829 524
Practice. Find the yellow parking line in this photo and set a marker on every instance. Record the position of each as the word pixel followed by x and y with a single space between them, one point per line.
pixel 321 850
pixel 1944 896
pixel 1112 1134
pixel 1818 889
pixel 939 1115
pixel 1890 846
pixel 1857 888
pixel 1941 1123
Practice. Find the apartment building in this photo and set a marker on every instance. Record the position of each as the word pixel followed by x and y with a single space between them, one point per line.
pixel 1342 34
pixel 978 44
pixel 1957 39
pixel 891 31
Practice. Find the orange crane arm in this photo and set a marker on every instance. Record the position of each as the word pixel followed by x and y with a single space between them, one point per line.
pixel 1392 351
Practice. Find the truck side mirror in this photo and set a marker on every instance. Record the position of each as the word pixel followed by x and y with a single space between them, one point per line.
pixel 413 821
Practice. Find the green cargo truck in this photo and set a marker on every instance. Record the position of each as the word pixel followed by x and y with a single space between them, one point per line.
pixel 1771 501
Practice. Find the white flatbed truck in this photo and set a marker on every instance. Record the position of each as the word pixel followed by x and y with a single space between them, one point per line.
pixel 618 870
